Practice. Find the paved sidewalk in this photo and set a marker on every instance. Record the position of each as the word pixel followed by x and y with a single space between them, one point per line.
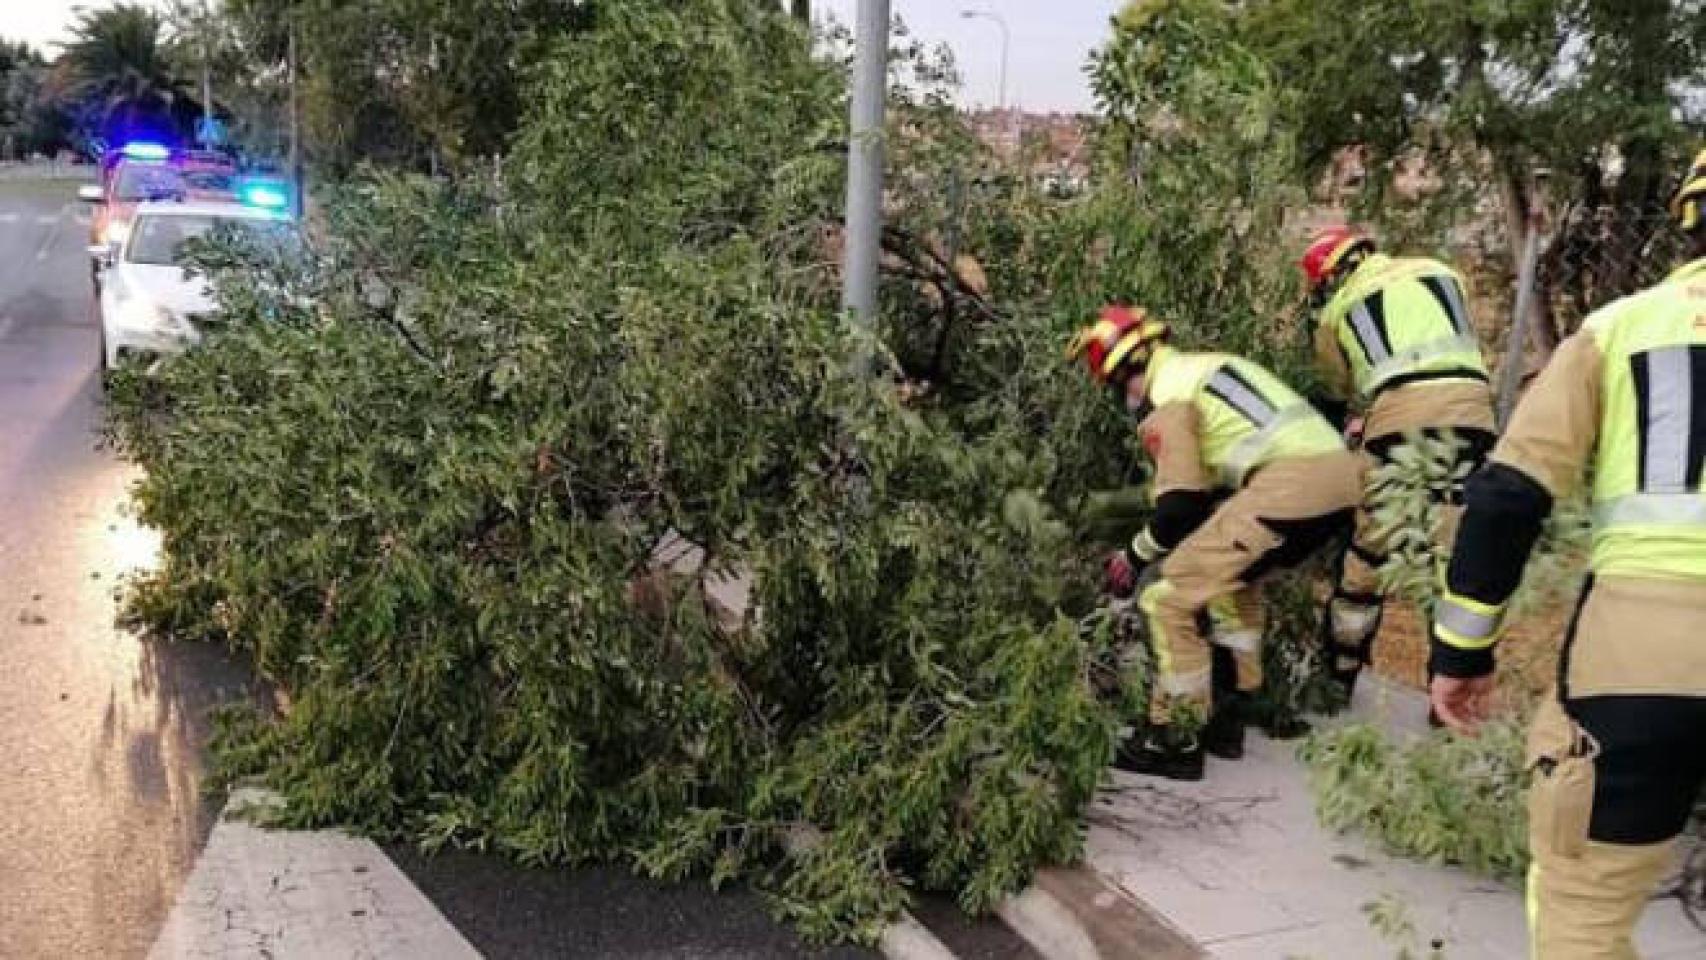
pixel 1240 863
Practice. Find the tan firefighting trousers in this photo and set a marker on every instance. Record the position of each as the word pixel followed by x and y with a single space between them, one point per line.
pixel 1633 703
pixel 1210 572
pixel 1354 611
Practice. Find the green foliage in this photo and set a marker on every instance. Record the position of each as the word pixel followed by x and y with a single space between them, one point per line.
pixel 402 82
pixel 423 479
pixel 1405 496
pixel 1440 798
pixel 1485 96
pixel 1194 129
pixel 1390 917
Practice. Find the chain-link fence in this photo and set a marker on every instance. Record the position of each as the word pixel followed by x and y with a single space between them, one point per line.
pixel 1595 255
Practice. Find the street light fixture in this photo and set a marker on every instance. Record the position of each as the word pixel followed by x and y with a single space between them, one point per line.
pixel 1006 50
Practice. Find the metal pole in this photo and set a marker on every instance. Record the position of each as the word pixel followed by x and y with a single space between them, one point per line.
pixel 295 122
pixel 865 163
pixel 206 74
pixel 1006 53
pixel 1510 371
pixel 1013 122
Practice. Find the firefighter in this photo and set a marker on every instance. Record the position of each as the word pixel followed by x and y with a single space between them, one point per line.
pixel 1216 426
pixel 1393 338
pixel 1618 753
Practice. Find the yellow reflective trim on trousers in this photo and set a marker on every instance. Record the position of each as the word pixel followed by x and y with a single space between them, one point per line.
pixel 1147 602
pixel 1242 641
pixel 1531 906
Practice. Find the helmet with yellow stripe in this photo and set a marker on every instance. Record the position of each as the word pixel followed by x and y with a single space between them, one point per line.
pixel 1685 206
pixel 1329 249
pixel 1122 337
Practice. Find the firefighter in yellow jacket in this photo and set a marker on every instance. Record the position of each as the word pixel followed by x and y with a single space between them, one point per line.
pixel 1217 426
pixel 1618 755
pixel 1393 338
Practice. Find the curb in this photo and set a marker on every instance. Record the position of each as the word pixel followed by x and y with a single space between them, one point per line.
pixel 1074 913
pixel 907 939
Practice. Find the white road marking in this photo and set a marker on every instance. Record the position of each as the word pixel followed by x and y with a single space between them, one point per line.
pixel 47 219
pixel 82 219
pixel 300 894
pixel 49 240
pixel 8 218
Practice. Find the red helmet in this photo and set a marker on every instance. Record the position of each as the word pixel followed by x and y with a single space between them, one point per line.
pixel 1121 335
pixel 1328 248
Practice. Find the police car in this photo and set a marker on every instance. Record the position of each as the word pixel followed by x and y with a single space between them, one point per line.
pixel 149 307
pixel 138 172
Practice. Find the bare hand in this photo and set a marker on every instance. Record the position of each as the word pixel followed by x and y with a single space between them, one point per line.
pixel 1462 703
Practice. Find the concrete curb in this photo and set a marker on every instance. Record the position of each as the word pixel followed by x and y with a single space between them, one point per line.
pixel 1074 913
pixel 907 939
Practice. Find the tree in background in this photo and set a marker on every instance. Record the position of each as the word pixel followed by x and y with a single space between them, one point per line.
pixel 1602 94
pixel 412 83
pixel 117 76
pixel 1193 122
pixel 26 126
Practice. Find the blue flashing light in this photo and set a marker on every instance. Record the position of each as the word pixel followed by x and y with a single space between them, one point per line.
pixel 145 151
pixel 265 196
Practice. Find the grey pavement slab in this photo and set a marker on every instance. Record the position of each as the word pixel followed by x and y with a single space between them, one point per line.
pixel 280 894
pixel 1240 863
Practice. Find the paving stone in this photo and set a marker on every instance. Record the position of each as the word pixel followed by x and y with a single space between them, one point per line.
pixel 1239 862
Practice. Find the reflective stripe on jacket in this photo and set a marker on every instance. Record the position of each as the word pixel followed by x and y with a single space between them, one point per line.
pixel 1649 504
pixel 1398 319
pixel 1248 417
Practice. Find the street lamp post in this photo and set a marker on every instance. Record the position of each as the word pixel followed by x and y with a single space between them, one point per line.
pixel 1006 50
pixel 865 163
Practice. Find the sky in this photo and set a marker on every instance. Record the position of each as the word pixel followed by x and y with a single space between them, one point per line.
pixel 43 22
pixel 1051 39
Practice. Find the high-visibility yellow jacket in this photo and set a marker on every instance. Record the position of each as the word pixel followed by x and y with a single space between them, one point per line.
pixel 1215 419
pixel 1625 396
pixel 1397 321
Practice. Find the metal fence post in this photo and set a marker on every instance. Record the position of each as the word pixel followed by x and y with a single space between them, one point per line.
pixel 1510 370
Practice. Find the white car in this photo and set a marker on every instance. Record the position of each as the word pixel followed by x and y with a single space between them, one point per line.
pixel 148 306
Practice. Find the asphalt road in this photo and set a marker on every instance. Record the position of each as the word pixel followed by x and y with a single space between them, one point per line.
pixel 100 807
pixel 102 732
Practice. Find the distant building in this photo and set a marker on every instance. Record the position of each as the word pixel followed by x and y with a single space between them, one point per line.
pixel 1056 146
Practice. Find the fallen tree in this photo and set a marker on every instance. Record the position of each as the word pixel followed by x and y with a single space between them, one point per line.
pixel 423 480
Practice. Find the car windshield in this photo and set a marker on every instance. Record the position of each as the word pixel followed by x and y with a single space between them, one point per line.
pixel 209 181
pixel 158 239
pixel 145 182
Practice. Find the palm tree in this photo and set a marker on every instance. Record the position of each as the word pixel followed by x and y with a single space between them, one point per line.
pixel 118 73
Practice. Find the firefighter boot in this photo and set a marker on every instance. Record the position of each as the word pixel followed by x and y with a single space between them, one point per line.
pixel 1223 735
pixel 1162 752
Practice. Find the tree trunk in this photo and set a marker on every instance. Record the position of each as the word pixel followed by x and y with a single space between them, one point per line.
pixel 802 10
pixel 1516 193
